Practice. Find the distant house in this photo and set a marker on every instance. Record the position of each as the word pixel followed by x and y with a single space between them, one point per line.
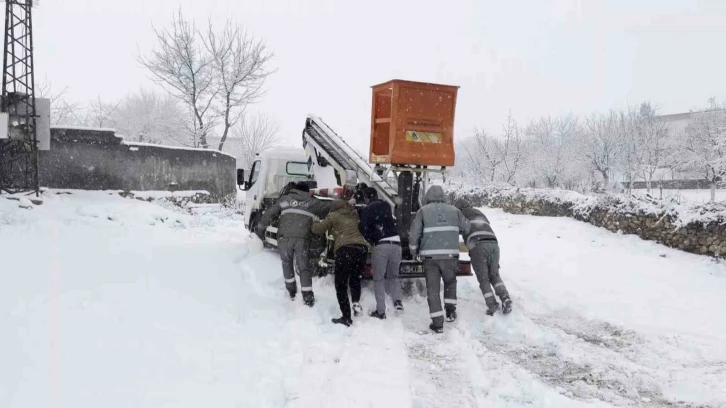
pixel 676 124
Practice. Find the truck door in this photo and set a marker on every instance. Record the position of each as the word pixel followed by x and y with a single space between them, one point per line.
pixel 254 195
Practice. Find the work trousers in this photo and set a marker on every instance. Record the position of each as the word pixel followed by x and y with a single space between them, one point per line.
pixel 485 261
pixel 386 260
pixel 349 263
pixel 436 270
pixel 295 251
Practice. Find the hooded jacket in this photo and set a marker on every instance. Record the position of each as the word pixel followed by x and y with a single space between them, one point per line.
pixel 342 224
pixel 481 230
pixel 436 227
pixel 376 221
pixel 297 210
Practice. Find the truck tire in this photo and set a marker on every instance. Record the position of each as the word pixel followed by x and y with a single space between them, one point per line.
pixel 254 220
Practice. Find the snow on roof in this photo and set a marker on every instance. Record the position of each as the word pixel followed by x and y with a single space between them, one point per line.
pixel 198 149
pixel 95 129
pixel 156 194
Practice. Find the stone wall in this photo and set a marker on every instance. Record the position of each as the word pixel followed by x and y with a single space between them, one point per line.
pixel 672 184
pixel 617 214
pixel 97 159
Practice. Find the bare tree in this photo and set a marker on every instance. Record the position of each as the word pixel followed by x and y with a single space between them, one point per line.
pixel 100 113
pixel 181 65
pixel 630 134
pixel 705 145
pixel 602 143
pixel 511 149
pixel 656 143
pixel 484 157
pixel 550 141
pixel 61 111
pixel 240 69
pixel 255 133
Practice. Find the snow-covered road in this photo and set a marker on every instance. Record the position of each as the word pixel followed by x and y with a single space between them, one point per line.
pixel 113 302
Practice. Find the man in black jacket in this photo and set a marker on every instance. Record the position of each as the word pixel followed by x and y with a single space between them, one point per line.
pixel 379 229
pixel 296 211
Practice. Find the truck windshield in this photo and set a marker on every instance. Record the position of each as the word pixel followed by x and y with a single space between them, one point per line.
pixel 297 169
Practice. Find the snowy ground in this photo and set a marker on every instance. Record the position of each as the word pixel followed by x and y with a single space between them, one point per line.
pixel 119 303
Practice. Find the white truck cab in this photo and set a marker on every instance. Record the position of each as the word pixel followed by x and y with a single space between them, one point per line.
pixel 270 172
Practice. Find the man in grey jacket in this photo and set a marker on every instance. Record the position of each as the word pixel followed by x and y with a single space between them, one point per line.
pixel 296 212
pixel 484 252
pixel 434 237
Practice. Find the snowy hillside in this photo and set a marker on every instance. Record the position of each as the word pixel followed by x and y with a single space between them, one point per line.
pixel 113 302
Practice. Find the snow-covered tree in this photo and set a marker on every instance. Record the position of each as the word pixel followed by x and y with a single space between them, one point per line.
pixel 149 117
pixel 704 146
pixel 216 74
pixel 240 68
pixel 511 150
pixel 657 143
pixel 602 143
pixel 551 147
pixel 630 133
pixel 480 156
pixel 181 64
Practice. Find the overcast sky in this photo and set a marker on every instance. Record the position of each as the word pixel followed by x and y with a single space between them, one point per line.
pixel 533 57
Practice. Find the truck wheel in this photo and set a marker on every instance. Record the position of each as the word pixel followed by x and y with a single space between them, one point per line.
pixel 253 223
pixel 254 219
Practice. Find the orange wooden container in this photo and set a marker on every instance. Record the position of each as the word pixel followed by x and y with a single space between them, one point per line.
pixel 413 123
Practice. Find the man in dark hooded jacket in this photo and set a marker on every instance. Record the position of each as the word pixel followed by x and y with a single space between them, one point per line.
pixel 484 252
pixel 296 212
pixel 379 229
pixel 434 237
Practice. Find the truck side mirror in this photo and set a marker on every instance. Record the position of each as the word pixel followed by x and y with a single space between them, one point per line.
pixel 241 178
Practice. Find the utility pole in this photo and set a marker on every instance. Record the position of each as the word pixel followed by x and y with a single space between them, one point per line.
pixel 18 126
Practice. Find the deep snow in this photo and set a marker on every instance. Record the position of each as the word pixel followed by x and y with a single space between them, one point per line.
pixel 113 302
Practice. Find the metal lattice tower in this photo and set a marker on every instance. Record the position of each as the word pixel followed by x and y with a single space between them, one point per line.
pixel 19 152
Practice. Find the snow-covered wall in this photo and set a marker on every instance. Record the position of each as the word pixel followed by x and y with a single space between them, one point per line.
pixel 97 159
pixel 696 228
pixel 673 184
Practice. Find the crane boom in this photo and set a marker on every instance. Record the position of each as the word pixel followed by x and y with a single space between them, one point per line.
pixel 323 146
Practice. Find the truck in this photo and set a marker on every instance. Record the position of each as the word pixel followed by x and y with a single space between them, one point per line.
pixel 416 113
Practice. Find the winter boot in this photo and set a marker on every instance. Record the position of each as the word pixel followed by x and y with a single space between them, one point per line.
pixel 357 309
pixel 450 313
pixel 343 321
pixel 398 305
pixel 377 315
pixel 292 294
pixel 436 329
pixel 309 298
pixel 506 304
pixel 492 309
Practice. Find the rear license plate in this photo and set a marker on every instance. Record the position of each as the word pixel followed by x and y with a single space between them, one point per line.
pixel 413 269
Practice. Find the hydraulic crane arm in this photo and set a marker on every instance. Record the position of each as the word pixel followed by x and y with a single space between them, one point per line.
pixel 323 146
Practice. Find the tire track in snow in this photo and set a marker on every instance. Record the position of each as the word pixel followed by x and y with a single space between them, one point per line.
pixel 579 361
pixel 582 359
pixel 436 367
